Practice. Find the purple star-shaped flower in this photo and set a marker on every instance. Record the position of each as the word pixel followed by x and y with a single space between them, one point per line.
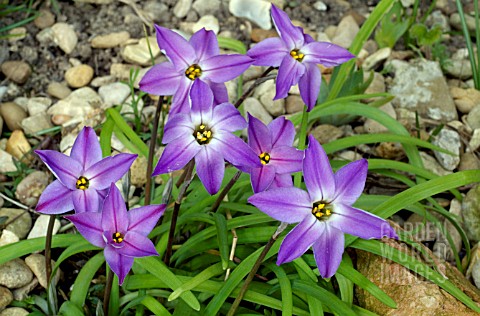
pixel 274 146
pixel 206 135
pixel 123 234
pixel 297 55
pixel 81 178
pixel 198 58
pixel 324 213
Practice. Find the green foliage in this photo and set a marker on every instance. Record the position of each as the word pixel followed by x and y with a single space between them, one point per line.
pixel 392 26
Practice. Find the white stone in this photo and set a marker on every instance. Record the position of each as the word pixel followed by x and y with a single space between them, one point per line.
pixel 182 7
pixel 209 22
pixel 64 36
pixel 204 7
pixel 376 58
pixel 39 229
pixel 6 162
pixel 38 105
pixel 320 6
pixel 345 32
pixel 255 108
pixel 8 237
pixel 431 164
pixel 77 104
pixel 36 123
pixel 449 140
pixel 114 93
pixel 266 92
pixel 139 53
pixel 474 143
pixel 257 11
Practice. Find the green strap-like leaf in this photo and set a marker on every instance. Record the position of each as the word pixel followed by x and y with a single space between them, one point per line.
pixel 155 306
pixel 159 270
pixel 84 278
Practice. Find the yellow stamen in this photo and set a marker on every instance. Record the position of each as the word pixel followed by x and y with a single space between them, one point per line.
pixel 264 158
pixel 297 55
pixel 117 237
pixel 82 183
pixel 193 72
pixel 202 134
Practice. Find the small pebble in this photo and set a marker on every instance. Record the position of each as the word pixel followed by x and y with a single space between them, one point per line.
pixel 14 311
pixel 14 274
pixel 58 90
pixel 64 36
pixel 110 40
pixel 19 147
pixel 17 71
pixel 40 227
pixel 44 19
pixel 6 297
pixel 13 115
pixel 36 263
pixel 79 76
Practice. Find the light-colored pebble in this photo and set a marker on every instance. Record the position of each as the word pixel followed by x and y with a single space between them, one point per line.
pixel 432 165
pixel 110 40
pixel 13 115
pixel 36 263
pixel 209 22
pixel 265 93
pixel 64 36
pixel 373 127
pixel 58 90
pixel 257 11
pixel 14 274
pixel 8 237
pixel 36 123
pixel 14 311
pixel 473 118
pixel 139 54
pixel 78 104
pixel 79 76
pixel 23 292
pixel 19 221
pixel 44 19
pixel 19 147
pixel 6 297
pixel 345 32
pixel 255 108
pixel 294 104
pixel 17 71
pixel 31 187
pixel 205 7
pixel 181 8
pixel 326 133
pixel 39 229
pixel 465 99
pixel 6 162
pixel 38 105
pixel 17 34
pixel 376 58
pixel 114 93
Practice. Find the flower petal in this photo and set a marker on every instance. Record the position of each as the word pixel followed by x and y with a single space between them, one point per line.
pixel 119 264
pixel 108 170
pixel 161 79
pixel 143 219
pixel 210 168
pixel 289 73
pixel 309 85
pixel 282 181
pixel 88 224
pixel 282 131
pixel 317 172
pixel 175 47
pixel 114 213
pixel 222 68
pixel 258 136
pixel 180 99
pixel 86 201
pixel 290 205
pixel 325 53
pixel 350 181
pixel 359 223
pixel 300 239
pixel 286 159
pixel 205 44
pixel 227 118
pixel 269 52
pixel 177 154
pixel 328 250
pixel 201 97
pixel 234 149
pixel 290 34
pixel 178 125
pixel 137 245
pixel 262 178
pixel 220 93
pixel 55 199
pixel 86 148
pixel 63 167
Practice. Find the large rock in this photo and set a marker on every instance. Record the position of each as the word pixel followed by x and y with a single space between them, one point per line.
pixel 413 294
pixel 421 86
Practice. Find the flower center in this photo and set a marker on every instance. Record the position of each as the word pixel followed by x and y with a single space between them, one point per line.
pixel 117 237
pixel 264 158
pixel 193 72
pixel 322 210
pixel 297 55
pixel 82 183
pixel 202 134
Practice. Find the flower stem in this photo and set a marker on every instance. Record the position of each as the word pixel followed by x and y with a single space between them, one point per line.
pixel 301 141
pixel 258 81
pixel 225 190
pixel 255 268
pixel 108 290
pixel 151 152
pixel 48 248
pixel 176 210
